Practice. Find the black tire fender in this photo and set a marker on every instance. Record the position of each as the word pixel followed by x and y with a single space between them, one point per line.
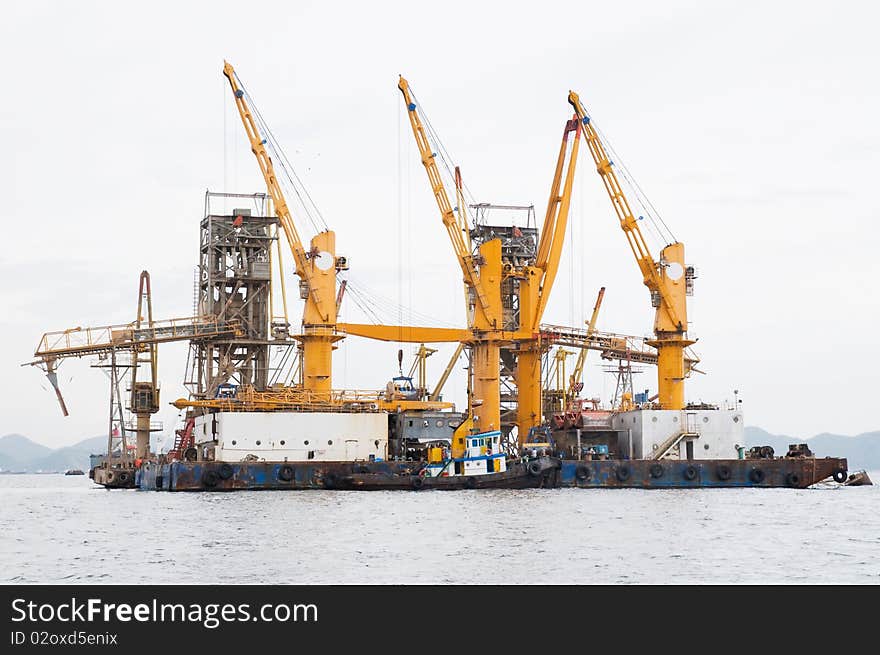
pixel 416 482
pixel 210 479
pixel 793 479
pixel 123 477
pixel 756 475
pixel 723 472
pixel 285 473
pixel 534 468
pixel 690 473
pixel 839 475
pixel 656 471
pixel 329 480
pixel 471 482
pixel 226 470
pixel 582 472
pixel 622 473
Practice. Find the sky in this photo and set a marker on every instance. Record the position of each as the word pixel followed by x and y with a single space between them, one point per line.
pixel 751 128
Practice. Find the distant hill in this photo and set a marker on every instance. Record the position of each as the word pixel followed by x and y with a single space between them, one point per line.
pixel 862 451
pixel 16 450
pixel 18 453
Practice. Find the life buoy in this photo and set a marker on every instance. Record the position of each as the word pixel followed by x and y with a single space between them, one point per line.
pixel 534 468
pixel 690 473
pixel 470 483
pixel 226 471
pixel 416 482
pixel 723 472
pixel 839 475
pixel 210 479
pixel 582 472
pixel 656 471
pixel 756 475
pixel 792 479
pixel 622 473
pixel 285 473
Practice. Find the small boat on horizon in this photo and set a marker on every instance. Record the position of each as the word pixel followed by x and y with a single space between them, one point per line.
pixel 73 472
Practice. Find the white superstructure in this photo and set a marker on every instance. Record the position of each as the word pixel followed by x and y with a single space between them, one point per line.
pixel 294 436
pixel 704 433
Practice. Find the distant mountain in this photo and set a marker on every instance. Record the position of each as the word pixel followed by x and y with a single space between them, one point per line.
pixel 16 450
pixel 18 453
pixel 861 451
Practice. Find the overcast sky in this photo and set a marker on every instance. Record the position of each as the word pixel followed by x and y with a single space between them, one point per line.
pixel 751 127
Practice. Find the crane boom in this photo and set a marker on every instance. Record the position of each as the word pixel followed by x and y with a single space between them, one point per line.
pixel 668 280
pixel 456 227
pixel 555 220
pixel 578 372
pixel 316 267
pixel 300 255
pixel 649 268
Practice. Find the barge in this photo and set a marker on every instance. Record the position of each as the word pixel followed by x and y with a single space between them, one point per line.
pixel 415 454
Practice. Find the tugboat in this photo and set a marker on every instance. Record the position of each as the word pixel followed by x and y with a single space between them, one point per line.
pixel 74 472
pixel 481 465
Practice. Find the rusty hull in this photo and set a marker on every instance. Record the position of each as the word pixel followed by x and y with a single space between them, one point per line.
pixel 791 472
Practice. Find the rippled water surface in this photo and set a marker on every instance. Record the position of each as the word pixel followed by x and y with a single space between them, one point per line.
pixel 65 529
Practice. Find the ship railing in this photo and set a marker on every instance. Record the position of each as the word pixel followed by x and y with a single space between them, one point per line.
pixel 292 398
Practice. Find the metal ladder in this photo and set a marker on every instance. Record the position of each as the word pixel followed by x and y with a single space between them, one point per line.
pixel 672 442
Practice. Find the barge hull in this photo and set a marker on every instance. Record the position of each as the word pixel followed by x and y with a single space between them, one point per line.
pixel 797 473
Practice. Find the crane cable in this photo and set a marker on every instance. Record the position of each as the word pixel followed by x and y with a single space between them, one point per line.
pixel 445 157
pixel 284 163
pixel 660 228
pixel 375 306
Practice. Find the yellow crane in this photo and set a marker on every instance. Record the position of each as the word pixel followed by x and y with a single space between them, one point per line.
pixel 668 279
pixel 316 266
pixel 482 279
pixel 536 283
pixel 578 372
pixel 483 274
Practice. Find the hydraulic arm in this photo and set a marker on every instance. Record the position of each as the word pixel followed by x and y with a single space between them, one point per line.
pixel 668 280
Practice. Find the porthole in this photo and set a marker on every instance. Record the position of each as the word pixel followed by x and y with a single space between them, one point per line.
pixel 705 419
pixel 281 442
pixel 234 442
pixel 706 447
pixel 653 419
pixel 439 423
pixel 736 419
pixel 258 442
pixel 675 419
pixel 330 442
